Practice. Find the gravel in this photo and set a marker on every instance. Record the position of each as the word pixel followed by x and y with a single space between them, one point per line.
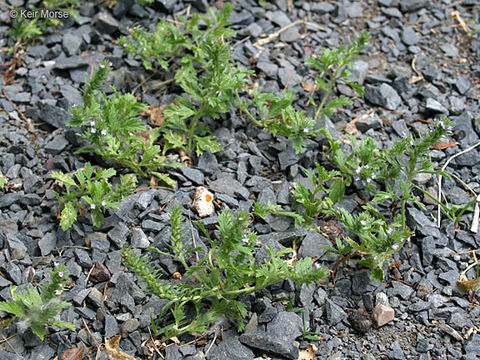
pixel 419 66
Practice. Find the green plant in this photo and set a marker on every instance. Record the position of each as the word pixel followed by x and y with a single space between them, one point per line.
pixel 334 64
pixel 203 68
pixel 279 117
pixel 3 180
pixel 26 28
pixel 35 308
pixel 222 273
pixel 114 131
pixel 90 190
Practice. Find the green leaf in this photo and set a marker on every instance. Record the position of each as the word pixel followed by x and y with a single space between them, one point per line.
pixel 38 329
pixel 68 216
pixel 377 274
pixel 62 324
pixel 65 178
pixel 337 190
pixel 105 173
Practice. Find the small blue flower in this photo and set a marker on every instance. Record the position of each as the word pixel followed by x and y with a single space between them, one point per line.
pixel 93 130
pixel 104 203
pixel 93 206
pixel 395 246
pixel 356 178
pixel 103 132
pixel 389 231
pixel 125 45
pixel 60 274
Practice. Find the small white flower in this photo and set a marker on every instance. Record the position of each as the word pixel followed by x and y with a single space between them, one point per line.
pixel 363 222
pixel 104 203
pixel 60 274
pixel 103 132
pixel 102 66
pixel 92 123
pixel 93 130
pixel 125 45
pixel 306 130
pixel 110 64
pixel 93 206
pixel 395 246
pixel 389 231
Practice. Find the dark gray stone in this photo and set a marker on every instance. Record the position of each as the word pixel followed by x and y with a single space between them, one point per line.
pixel 152 225
pixel 72 44
pixel 47 243
pixel 111 326
pixel 313 244
pixel 10 198
pixel 402 290
pixel 359 71
pixel 462 84
pixel 322 8
pixel 56 145
pixel 335 313
pixel 73 62
pixel 427 246
pixel 145 199
pixel 371 122
pixel 270 69
pixel 289 77
pixel 360 321
pixel 30 199
pixel 288 158
pixel 118 235
pixel 138 239
pixel 472 346
pixel 290 35
pixel 242 18
pixel 434 106
pixel 106 23
pixel 263 341
pixel 383 95
pixel 230 186
pixel 279 18
pixel 419 305
pixel 55 116
pixel 409 36
pixel 413 5
pixel 396 352
pixel 194 175
pixel 231 348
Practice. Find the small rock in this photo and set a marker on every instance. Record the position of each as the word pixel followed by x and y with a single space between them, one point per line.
pixel 372 121
pixel 57 145
pixel 55 116
pixel 335 313
pixel 106 23
pixel 47 243
pixel 99 273
pixel 409 36
pixel 383 95
pixel 434 106
pixel 382 315
pixel 203 202
pixel 118 235
pixel 233 349
pixel 138 239
pixel 129 326
pixel 413 5
pixel 360 321
pixel 462 84
pixel 72 44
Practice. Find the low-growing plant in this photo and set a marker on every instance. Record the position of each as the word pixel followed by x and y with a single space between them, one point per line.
pixel 25 29
pixel 394 169
pixel 114 130
pixel 279 117
pixel 90 190
pixel 35 308
pixel 203 68
pixel 334 66
pixel 223 272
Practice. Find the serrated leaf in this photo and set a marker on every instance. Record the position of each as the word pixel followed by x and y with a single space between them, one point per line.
pixel 68 216
pixel 65 178
pixel 337 190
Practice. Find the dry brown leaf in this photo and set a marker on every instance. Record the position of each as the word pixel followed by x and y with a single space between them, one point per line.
pixel 307 86
pixel 307 354
pixel 444 145
pixel 111 346
pixel 74 353
pixel 155 114
pixel 468 285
